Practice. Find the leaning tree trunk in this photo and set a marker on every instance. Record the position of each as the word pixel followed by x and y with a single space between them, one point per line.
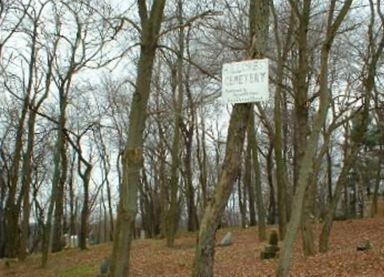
pixel 369 84
pixel 310 150
pixel 342 180
pixel 132 156
pixel 204 255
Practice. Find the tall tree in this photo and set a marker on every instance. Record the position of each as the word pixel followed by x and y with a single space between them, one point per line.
pixel 282 48
pixel 252 141
pixel 12 208
pixel 375 51
pixel 306 166
pixel 133 153
pixel 177 82
pixel 204 254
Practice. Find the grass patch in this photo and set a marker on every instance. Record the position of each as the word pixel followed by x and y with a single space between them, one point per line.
pixel 80 271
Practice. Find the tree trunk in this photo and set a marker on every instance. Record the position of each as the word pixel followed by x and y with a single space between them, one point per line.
pixel 272 213
pixel 358 137
pixel 72 200
pixel 190 191
pixel 248 182
pixel 86 176
pixel 202 162
pixel 242 201
pixel 11 209
pixel 329 173
pixel 132 156
pixel 258 190
pixel 373 211
pixel 281 175
pixel 107 167
pixel 193 222
pixel 306 225
pixel 310 150
pixel 204 255
pixel 342 180
pixel 57 180
pixel 26 184
pixel 173 212
pixel 57 240
pixel 301 126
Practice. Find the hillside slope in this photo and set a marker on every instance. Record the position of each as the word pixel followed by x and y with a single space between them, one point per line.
pixel 152 258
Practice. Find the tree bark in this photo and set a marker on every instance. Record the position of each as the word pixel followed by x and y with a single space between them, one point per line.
pixel 132 156
pixel 310 150
pixel 86 177
pixel 57 175
pixel 204 254
pixel 272 212
pixel 258 190
pixel 202 162
pixel 373 210
pixel 26 183
pixel 281 177
pixel 249 184
pixel 358 137
pixel 190 191
pixel 57 239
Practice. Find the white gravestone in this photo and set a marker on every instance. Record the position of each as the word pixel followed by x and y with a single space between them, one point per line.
pixel 227 240
pixel 74 241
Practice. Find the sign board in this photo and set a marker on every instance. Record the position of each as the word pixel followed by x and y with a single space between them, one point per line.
pixel 245 82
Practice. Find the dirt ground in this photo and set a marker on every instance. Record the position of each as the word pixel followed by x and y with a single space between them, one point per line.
pixel 152 258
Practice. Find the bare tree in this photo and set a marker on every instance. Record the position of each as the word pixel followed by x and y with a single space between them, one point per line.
pixel 204 255
pixel 311 145
pixel 132 156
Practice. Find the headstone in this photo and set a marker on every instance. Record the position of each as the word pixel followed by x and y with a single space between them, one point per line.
pixel 104 267
pixel 227 240
pixel 142 234
pixel 9 261
pixel 264 255
pixel 271 249
pixel 138 227
pixel 273 238
pixel 66 240
pixel 364 246
pixel 74 241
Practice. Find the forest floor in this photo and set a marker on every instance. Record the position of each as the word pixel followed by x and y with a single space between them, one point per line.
pixel 150 258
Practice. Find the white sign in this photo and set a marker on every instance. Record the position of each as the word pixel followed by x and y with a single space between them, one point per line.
pixel 245 82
